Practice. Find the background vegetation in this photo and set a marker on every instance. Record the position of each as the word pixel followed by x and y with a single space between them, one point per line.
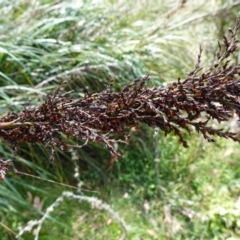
pixel 160 189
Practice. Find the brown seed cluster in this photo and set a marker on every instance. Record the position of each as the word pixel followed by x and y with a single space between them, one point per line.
pixel 105 117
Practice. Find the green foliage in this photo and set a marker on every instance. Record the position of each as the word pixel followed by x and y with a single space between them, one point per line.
pixel 87 43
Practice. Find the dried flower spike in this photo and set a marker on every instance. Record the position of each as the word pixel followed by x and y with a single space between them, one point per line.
pixel 106 116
